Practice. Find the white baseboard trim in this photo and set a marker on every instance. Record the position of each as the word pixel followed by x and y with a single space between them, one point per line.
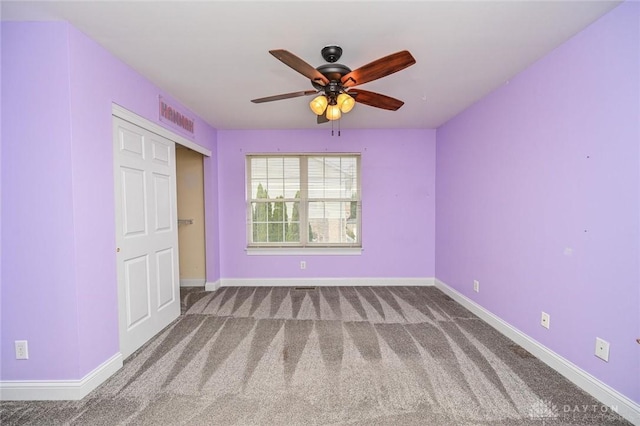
pixel 58 390
pixel 192 282
pixel 212 286
pixel 324 282
pixel 608 396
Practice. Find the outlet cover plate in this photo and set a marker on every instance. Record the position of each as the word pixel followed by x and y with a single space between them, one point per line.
pixel 22 349
pixel 545 320
pixel 602 349
pixel 476 286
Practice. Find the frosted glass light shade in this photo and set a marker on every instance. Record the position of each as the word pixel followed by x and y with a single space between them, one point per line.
pixel 333 112
pixel 345 102
pixel 318 104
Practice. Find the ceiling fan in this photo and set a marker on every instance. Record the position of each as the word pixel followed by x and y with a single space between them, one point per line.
pixel 334 82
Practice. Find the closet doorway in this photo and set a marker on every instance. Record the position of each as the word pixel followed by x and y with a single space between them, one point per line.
pixel 191 232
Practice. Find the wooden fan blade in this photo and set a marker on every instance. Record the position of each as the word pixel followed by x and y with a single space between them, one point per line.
pixel 299 65
pixel 376 99
pixel 284 96
pixel 322 119
pixel 379 68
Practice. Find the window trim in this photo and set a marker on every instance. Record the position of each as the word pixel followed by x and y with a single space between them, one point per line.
pixel 304 247
pixel 304 251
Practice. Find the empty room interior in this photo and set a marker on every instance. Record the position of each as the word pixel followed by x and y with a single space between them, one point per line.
pixel 312 212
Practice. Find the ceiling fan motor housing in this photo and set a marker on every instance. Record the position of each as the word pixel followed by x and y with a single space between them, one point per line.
pixel 334 72
pixel 333 89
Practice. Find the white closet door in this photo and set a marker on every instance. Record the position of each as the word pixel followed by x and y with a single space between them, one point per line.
pixel 146 233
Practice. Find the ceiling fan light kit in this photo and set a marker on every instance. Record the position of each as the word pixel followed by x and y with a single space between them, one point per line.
pixel 346 102
pixel 334 108
pixel 319 104
pixel 333 112
pixel 332 81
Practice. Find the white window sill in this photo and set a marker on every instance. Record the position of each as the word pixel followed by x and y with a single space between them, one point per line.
pixel 299 251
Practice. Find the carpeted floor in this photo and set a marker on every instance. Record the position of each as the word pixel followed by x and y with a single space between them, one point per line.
pixel 331 355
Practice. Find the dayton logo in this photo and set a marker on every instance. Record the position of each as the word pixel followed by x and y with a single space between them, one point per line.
pixel 543 410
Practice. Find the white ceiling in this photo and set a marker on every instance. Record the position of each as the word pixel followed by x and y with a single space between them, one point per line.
pixel 213 55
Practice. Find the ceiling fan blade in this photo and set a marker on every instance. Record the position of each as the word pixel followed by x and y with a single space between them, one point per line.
pixel 379 68
pixel 376 99
pixel 322 119
pixel 284 96
pixel 299 65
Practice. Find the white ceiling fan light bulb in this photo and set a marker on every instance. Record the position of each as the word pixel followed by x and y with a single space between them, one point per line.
pixel 318 104
pixel 333 112
pixel 346 102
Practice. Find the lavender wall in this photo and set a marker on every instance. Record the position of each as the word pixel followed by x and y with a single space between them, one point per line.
pixel 38 292
pixel 59 281
pixel 97 80
pixel 398 221
pixel 537 198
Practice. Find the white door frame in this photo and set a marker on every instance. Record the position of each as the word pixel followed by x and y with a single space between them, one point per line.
pixel 140 121
pixel 123 114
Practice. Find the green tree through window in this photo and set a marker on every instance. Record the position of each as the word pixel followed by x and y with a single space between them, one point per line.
pixel 261 215
pixel 293 231
pixel 278 222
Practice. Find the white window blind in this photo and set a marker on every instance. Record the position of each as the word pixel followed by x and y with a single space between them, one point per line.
pixel 303 200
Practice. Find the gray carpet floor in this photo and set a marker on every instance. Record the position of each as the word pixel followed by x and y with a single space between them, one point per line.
pixel 331 355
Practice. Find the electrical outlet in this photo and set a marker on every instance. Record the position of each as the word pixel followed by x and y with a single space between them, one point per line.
pixel 545 320
pixel 303 264
pixel 476 286
pixel 22 349
pixel 602 349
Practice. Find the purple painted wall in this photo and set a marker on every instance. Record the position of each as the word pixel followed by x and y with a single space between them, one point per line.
pixel 38 292
pixel 537 198
pixel 398 221
pixel 58 268
pixel 0 182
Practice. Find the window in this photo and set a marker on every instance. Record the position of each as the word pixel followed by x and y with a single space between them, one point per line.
pixel 303 201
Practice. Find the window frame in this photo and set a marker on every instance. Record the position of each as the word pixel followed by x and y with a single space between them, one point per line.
pixel 304 246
